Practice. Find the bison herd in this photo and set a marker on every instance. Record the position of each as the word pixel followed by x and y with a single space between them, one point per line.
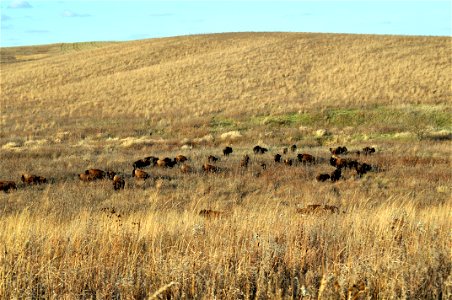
pixel 340 163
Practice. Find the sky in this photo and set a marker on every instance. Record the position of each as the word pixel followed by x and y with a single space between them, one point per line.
pixel 34 22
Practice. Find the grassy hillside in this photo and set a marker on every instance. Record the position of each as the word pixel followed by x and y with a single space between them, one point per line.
pixel 236 78
pixel 69 107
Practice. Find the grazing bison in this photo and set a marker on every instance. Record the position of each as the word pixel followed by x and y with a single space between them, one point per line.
pixel 7 185
pixel 140 174
pixel 259 150
pixel 166 163
pixel 227 151
pixel 180 158
pixel 118 183
pixel 208 213
pixel 293 148
pixel 339 150
pixel 322 177
pixel 86 177
pixel 277 158
pixel 110 174
pixel 305 158
pixel 288 161
pixel 208 168
pixel 245 161
pixel 363 168
pixel 338 162
pixel 185 168
pixel 317 208
pixel 212 159
pixel 142 163
pixel 368 150
pixel 95 173
pixel 33 179
pixel 336 175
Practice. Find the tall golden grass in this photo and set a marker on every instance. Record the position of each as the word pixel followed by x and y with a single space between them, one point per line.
pixel 67 108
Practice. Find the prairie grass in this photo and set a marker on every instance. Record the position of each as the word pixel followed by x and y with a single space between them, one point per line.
pixel 67 108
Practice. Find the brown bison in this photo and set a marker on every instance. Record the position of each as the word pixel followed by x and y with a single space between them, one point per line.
pixel 227 151
pixel 362 168
pixel 7 185
pixel 293 148
pixel 338 162
pixel 288 161
pixel 96 173
pixel 212 159
pixel 118 183
pixel 140 174
pixel 339 150
pixel 245 161
pixel 277 158
pixel 185 168
pixel 208 168
pixel 86 177
pixel 210 214
pixel 336 175
pixel 305 158
pixel 180 158
pixel 33 179
pixel 166 162
pixel 323 177
pixel 368 150
pixel 317 208
pixel 259 150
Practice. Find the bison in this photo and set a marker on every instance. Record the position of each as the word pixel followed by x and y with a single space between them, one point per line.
pixel 7 185
pixel 180 158
pixel 33 179
pixel 363 168
pixel 118 183
pixel 317 208
pixel 245 161
pixel 285 150
pixel 212 159
pixel 142 163
pixel 368 150
pixel 227 151
pixel 293 148
pixel 208 168
pixel 208 213
pixel 323 177
pixel 338 162
pixel 336 175
pixel 288 161
pixel 259 150
pixel 95 173
pixel 305 158
pixel 185 168
pixel 140 174
pixel 339 150
pixel 166 162
pixel 277 158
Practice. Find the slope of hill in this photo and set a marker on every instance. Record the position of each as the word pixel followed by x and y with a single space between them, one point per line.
pixel 185 81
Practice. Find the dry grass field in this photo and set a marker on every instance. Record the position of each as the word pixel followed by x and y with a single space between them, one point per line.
pixel 66 108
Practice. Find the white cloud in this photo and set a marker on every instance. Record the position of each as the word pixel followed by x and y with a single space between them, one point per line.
pixel 19 4
pixel 71 14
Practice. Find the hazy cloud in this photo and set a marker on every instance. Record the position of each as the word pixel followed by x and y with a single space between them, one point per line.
pixel 37 31
pixel 161 15
pixel 19 4
pixel 5 18
pixel 71 14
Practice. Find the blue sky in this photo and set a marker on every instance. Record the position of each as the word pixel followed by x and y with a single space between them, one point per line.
pixel 31 22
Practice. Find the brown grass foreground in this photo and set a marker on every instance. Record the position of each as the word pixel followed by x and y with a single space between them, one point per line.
pixel 66 109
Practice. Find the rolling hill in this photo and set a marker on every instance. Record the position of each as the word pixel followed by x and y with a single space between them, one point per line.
pixel 184 82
